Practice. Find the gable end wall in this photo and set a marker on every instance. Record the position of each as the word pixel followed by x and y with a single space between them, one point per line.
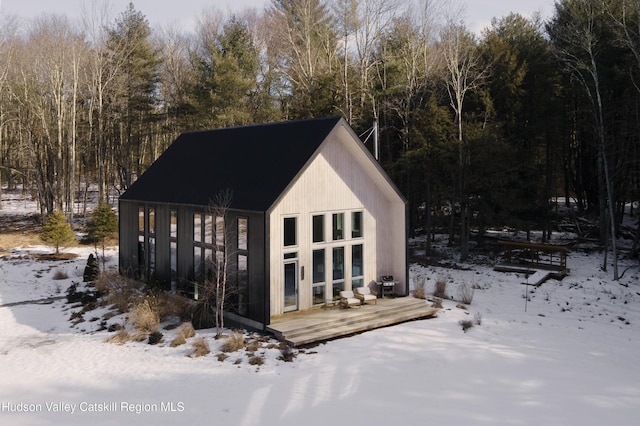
pixel 341 178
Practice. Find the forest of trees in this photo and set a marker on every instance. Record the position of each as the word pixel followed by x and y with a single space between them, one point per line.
pixel 476 130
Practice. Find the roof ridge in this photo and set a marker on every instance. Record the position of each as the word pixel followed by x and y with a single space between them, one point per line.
pixel 269 124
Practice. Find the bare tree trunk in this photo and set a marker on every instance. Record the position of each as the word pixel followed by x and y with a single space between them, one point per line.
pixel 463 75
pixel 219 209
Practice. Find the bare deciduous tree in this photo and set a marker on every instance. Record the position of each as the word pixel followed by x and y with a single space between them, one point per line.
pixel 577 47
pixel 464 74
pixel 215 287
pixel 372 19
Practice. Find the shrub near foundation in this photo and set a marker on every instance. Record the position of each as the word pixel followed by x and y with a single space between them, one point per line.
pixel 119 338
pixel 465 293
pixel 200 348
pixel 184 333
pixel 440 290
pixel 178 340
pixel 187 331
pixel 418 287
pixel 119 291
pixel 145 316
pixel 235 342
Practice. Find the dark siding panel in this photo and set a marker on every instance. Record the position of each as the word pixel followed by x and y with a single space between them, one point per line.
pixel 128 237
pixel 185 243
pixel 258 300
pixel 267 271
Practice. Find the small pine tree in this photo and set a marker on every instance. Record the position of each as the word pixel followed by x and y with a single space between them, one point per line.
pixel 92 270
pixel 103 223
pixel 57 231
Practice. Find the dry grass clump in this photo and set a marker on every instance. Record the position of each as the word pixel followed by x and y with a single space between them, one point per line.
pixel 119 338
pixel 184 333
pixel 200 348
pixel 119 291
pixel 466 324
pixel 60 275
pixel 256 360
pixel 178 340
pixel 440 290
pixel 465 293
pixel 176 305
pixel 287 354
pixel 140 336
pixel 418 286
pixel 160 303
pixel 156 307
pixel 235 342
pixel 188 331
pixel 22 238
pixel 253 346
pixel 145 316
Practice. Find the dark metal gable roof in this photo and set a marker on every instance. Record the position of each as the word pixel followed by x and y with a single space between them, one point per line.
pixel 256 162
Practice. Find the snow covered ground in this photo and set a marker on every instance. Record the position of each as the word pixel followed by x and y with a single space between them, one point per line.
pixel 570 358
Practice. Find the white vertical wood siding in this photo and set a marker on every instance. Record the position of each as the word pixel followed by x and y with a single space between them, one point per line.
pixel 342 178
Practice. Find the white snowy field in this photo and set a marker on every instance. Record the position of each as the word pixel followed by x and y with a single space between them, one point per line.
pixel 570 359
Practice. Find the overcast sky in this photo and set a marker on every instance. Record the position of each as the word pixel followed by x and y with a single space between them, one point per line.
pixel 184 12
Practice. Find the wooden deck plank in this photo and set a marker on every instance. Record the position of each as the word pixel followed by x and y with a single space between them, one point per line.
pixel 536 274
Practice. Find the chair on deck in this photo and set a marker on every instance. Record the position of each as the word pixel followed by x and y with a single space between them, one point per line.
pixel 347 298
pixel 365 294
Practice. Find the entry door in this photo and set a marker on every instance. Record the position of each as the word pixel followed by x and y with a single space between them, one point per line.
pixel 291 286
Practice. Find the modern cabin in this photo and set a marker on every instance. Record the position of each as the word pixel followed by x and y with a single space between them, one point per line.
pixel 310 213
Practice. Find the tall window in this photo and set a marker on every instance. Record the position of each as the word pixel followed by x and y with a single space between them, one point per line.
pixel 340 238
pixel 146 242
pixel 319 277
pixel 141 243
pixel 356 225
pixel 197 227
pixel 318 228
pixel 208 229
pixel 243 265
pixel 242 233
pixel 338 226
pixel 152 242
pixel 199 231
pixel 338 270
pixel 290 231
pixel 208 247
pixel 357 263
pixel 173 248
pixel 220 231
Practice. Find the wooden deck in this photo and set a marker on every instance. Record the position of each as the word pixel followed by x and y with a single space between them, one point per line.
pixel 317 325
pixel 535 276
